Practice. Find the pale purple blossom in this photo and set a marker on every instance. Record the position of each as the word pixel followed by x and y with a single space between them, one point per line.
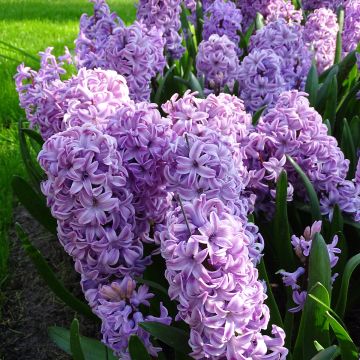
pixel 320 33
pixel 217 61
pixel 261 79
pixel 351 32
pixel 317 4
pixel 202 245
pixel 286 40
pixel 302 247
pixel 223 18
pixel 164 15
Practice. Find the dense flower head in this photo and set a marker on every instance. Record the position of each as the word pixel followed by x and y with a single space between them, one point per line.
pixel 216 284
pixel 164 15
pixel 87 195
pixel 223 18
pixel 208 165
pixel 294 128
pixel 351 32
pixel 143 137
pixel 217 61
pixel 302 247
pixel 118 306
pixel 41 93
pixel 136 52
pixel 320 33
pixel 261 79
pixel 271 10
pixel 222 113
pixel 53 105
pixel 287 42
pixel 317 4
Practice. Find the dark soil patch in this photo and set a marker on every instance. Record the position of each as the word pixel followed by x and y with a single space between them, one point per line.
pixel 29 306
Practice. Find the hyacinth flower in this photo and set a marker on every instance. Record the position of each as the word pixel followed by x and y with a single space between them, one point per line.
pixel 218 62
pixel 287 42
pixel 261 79
pixel 302 246
pixel 320 33
pixel 136 52
pixel 118 304
pixel 223 18
pixel 53 105
pixel 294 128
pixel 351 31
pixel 271 10
pixel 203 245
pixel 164 15
pixel 317 4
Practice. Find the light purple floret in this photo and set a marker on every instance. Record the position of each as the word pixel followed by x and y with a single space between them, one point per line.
pixel 164 15
pixel 302 247
pixel 201 246
pixel 223 18
pixel 320 33
pixel 294 128
pixel 260 79
pixel 287 42
pixel 217 61
pixel 351 32
pixel 317 4
pixel 136 52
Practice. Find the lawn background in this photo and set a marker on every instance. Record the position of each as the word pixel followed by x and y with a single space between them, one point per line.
pixel 31 25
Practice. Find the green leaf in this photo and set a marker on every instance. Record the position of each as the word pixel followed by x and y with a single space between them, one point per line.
pixel 314 202
pixel 196 86
pixel 312 84
pixel 313 324
pixel 171 336
pixel 137 349
pixel 328 125
pixel 152 284
pixel 50 278
pixel 283 250
pixel 331 102
pixel 346 102
pixel 348 147
pixel 338 51
pixel 34 203
pixel 330 353
pixel 189 38
pixel 345 67
pixel 75 346
pixel 275 317
pixel 350 266
pixel 93 349
pixel 21 51
pixel 199 22
pixel 31 166
pixel 160 89
pixel 245 38
pixel 348 349
pixel 324 89
pixel 259 21
pixel 355 131
pixel 257 115
pixel 33 135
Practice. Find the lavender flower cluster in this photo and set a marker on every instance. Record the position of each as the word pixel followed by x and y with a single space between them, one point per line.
pixel 302 246
pixel 136 52
pixel 215 282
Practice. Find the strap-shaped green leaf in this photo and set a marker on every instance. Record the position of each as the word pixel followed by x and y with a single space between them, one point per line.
pixel 338 51
pixel 33 135
pixel 75 346
pixel 312 84
pixel 171 336
pixel 351 265
pixel 348 147
pixel 324 89
pixel 163 80
pixel 314 202
pixel 137 349
pixel 257 115
pixel 331 103
pixel 34 203
pixel 50 278
pixel 329 353
pixel 283 250
pixel 92 349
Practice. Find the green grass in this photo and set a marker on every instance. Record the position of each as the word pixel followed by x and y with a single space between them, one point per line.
pixel 31 25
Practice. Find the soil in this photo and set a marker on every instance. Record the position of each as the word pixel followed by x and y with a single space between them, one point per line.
pixel 29 307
